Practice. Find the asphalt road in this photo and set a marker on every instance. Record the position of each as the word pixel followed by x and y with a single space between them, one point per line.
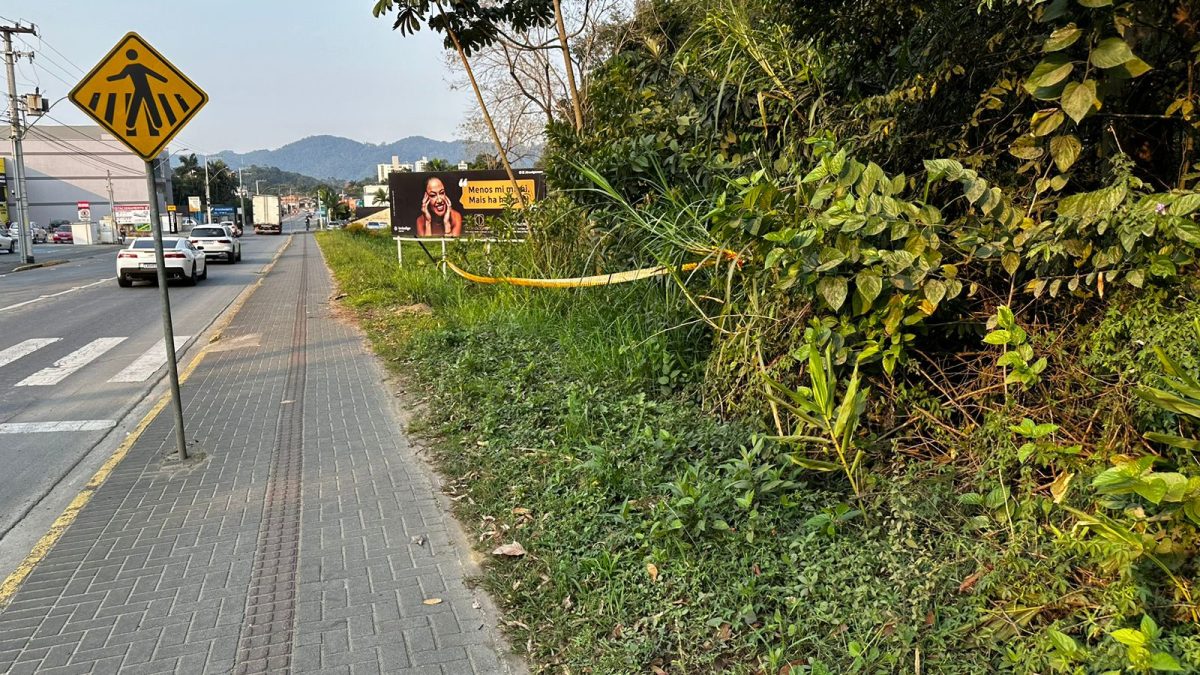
pixel 53 252
pixel 78 354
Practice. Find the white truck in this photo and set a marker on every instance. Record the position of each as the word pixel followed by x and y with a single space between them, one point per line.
pixel 267 216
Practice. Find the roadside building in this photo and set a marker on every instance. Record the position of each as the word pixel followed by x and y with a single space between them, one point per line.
pixel 290 203
pixel 65 165
pixel 369 195
pixel 382 171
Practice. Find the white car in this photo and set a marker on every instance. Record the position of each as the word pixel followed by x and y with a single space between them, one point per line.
pixel 237 231
pixel 183 261
pixel 217 241
pixel 7 243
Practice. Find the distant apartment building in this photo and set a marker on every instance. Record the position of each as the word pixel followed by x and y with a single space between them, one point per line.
pixel 65 165
pixel 382 171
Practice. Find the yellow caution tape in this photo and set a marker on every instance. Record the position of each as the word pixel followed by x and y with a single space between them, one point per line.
pixel 581 282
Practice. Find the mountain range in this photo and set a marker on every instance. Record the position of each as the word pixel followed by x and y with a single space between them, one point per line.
pixel 343 158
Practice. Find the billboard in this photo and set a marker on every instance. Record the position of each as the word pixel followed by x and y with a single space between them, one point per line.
pixel 132 214
pixel 450 204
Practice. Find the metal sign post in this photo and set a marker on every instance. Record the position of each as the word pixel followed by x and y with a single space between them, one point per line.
pixel 168 329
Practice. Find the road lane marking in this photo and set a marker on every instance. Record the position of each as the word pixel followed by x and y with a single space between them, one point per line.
pixel 25 348
pixel 53 427
pixel 70 363
pixel 55 295
pixel 149 362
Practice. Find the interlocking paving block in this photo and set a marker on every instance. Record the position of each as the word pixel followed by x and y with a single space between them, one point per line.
pixel 289 547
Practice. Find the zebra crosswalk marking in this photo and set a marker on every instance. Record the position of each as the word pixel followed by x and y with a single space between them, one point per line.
pixel 52 427
pixel 25 348
pixel 70 363
pixel 149 362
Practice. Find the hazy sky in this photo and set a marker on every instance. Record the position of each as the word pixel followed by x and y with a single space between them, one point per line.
pixel 274 71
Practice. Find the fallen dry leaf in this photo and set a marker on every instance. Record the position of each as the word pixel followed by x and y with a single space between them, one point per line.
pixel 969 583
pixel 521 511
pixel 652 570
pixel 513 550
pixel 1058 489
pixel 433 601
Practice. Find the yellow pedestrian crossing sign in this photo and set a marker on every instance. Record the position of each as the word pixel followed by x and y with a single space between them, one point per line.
pixel 137 94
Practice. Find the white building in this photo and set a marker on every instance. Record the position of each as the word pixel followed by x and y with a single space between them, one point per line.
pixel 65 165
pixel 382 171
pixel 421 165
pixel 369 195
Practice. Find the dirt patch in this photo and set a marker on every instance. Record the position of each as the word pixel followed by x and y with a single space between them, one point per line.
pixel 420 309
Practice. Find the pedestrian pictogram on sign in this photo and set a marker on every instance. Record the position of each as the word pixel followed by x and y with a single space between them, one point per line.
pixel 137 94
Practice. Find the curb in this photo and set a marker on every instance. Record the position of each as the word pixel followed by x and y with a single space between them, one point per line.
pixel 34 266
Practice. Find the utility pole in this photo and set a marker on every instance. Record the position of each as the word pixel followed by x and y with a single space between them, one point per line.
pixel 256 187
pixel 207 194
pixel 112 208
pixel 10 58
pixel 242 198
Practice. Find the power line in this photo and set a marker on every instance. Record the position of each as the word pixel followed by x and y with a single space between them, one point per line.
pixel 42 41
pixel 56 64
pixel 94 159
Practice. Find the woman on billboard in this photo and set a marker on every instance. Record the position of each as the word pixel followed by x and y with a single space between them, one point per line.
pixel 438 217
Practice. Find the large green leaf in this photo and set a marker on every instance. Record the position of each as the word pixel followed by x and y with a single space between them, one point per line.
pixel 1044 122
pixel 868 284
pixel 1129 637
pixel 1052 70
pixel 1111 52
pixel 833 290
pixel 1062 38
pixel 1164 662
pixel 1169 401
pixel 1065 150
pixel 1078 99
pixel 934 290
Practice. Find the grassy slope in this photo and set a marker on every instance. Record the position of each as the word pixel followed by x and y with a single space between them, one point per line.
pixel 552 423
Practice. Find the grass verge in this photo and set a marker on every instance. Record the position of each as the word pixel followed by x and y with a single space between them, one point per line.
pixel 659 538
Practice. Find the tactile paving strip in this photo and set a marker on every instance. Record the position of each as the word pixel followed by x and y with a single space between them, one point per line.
pixel 265 642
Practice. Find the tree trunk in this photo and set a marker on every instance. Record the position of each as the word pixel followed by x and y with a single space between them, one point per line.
pixel 568 65
pixel 487 117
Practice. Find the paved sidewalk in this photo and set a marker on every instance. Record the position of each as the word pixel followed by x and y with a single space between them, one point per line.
pixel 308 539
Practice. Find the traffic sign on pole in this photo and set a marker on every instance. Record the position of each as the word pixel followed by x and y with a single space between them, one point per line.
pixel 144 100
pixel 139 96
pixel 84 210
